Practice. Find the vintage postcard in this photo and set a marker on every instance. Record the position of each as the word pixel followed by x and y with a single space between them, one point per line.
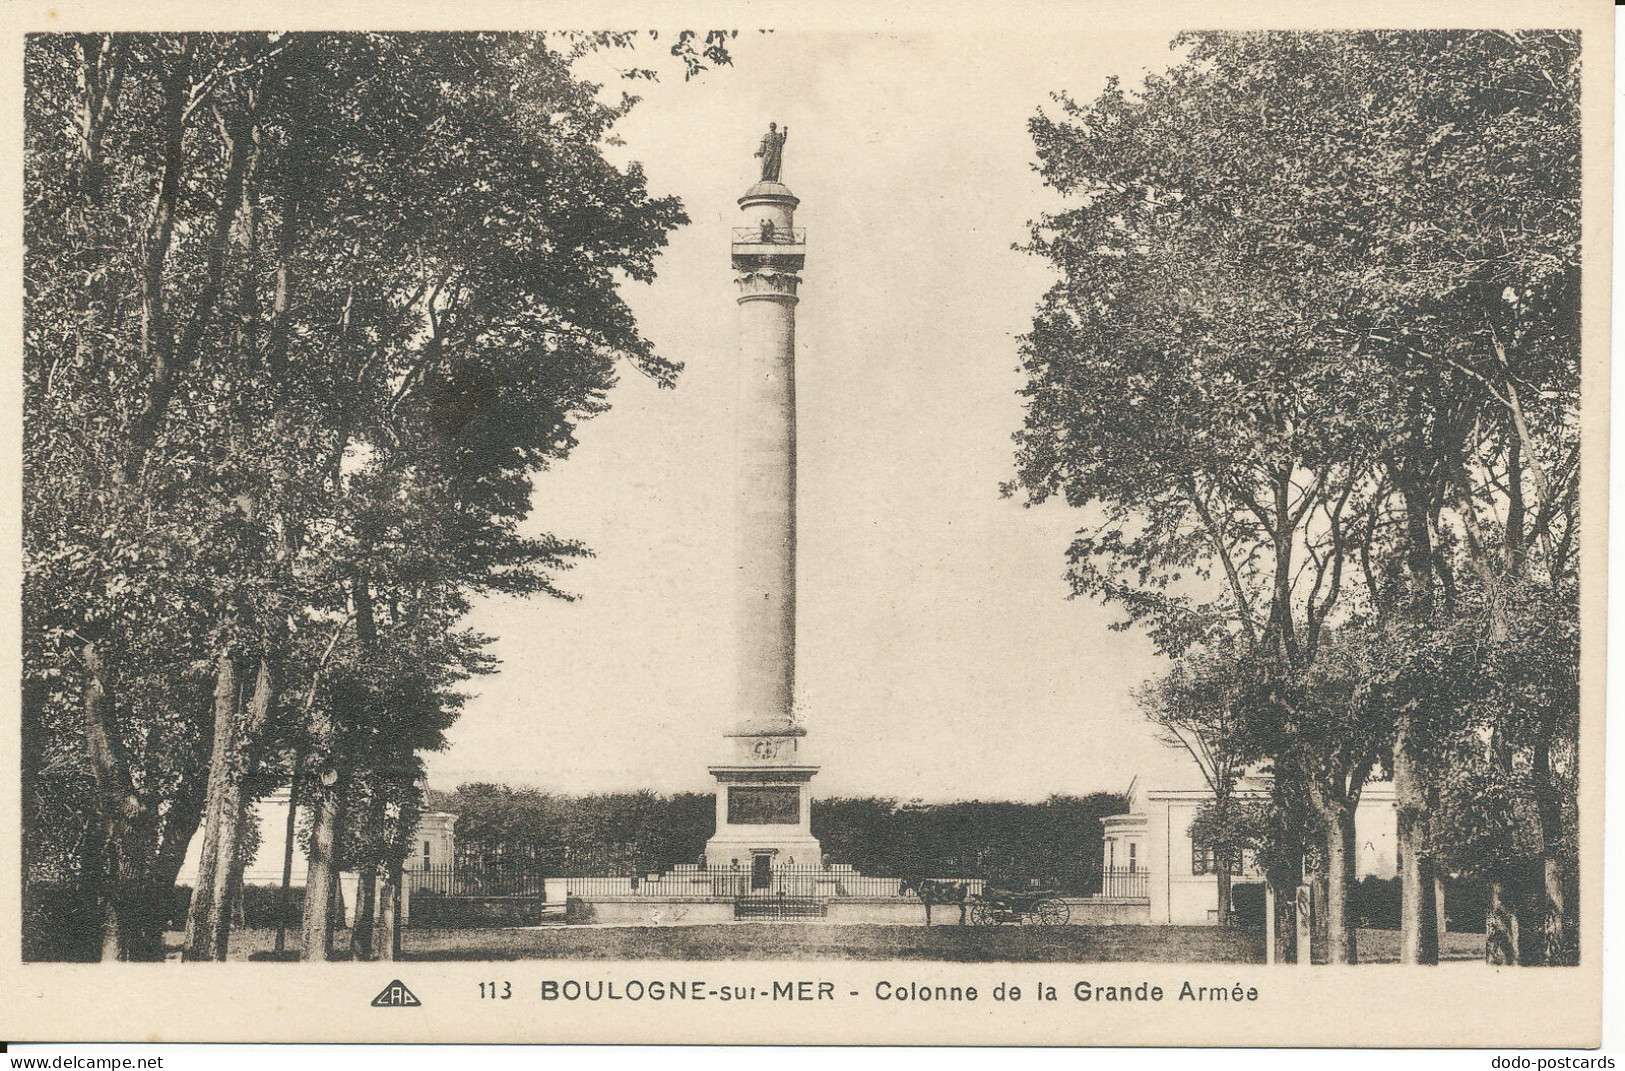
pixel 1062 525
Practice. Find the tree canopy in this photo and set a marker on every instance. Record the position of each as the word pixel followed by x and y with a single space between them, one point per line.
pixel 1311 369
pixel 305 314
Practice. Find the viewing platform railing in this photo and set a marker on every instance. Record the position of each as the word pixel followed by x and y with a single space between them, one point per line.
pixel 756 236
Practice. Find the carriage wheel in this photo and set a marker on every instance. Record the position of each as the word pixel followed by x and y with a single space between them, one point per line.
pixel 983 913
pixel 1051 913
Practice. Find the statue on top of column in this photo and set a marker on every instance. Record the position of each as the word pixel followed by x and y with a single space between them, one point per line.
pixel 772 151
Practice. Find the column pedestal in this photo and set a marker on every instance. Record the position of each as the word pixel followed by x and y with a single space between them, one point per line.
pixel 764 804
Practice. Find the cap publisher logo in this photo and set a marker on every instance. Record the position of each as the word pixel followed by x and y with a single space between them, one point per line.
pixel 396 995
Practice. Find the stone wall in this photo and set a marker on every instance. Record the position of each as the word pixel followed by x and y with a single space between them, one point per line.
pixel 1108 911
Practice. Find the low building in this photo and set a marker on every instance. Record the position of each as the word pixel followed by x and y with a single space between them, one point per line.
pixel 1148 851
pixel 433 846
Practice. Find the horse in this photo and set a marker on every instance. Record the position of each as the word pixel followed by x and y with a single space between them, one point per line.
pixel 931 891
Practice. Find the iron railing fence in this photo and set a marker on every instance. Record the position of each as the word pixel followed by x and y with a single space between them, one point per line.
pixel 792 881
pixel 1125 883
pixel 455 880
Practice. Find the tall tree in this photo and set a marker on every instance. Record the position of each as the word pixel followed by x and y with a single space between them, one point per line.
pixel 1445 182
pixel 305 313
pixel 1179 387
pixel 1276 367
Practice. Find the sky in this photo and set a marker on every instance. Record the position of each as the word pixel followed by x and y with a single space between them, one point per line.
pixel 938 655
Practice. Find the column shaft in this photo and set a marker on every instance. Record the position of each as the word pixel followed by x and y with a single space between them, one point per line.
pixel 767 495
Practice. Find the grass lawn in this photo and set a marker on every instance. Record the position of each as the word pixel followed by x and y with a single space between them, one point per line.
pixel 1382 946
pixel 793 941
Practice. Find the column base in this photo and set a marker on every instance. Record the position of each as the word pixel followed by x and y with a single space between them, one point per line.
pixel 764 810
pixel 743 846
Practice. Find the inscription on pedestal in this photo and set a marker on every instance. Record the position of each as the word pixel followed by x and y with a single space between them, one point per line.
pixel 764 805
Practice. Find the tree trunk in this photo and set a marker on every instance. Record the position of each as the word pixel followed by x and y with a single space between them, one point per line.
pixel 1418 924
pixel 135 907
pixel 1560 946
pixel 1282 922
pixel 365 904
pixel 181 353
pixel 1341 943
pixel 208 921
pixel 1441 918
pixel 103 61
pixel 1418 931
pixel 112 947
pixel 296 175
pixel 1318 895
pixel 1286 929
pixel 234 891
pixel 157 337
pixel 1285 882
pixel 137 917
pixel 1500 929
pixel 335 907
pixel 225 869
pixel 1303 929
pixel 1418 940
pixel 199 928
pixel 94 885
pixel 319 877
pixel 1223 875
pixel 124 829
pixel 387 936
pixel 180 824
pixel 1528 902
pixel 1561 949
pixel 290 830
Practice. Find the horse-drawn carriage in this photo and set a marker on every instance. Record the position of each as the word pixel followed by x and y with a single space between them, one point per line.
pixel 991 906
pixel 1042 907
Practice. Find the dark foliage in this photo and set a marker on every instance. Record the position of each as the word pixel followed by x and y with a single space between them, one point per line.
pixel 558 833
pixel 60 923
pixel 1056 842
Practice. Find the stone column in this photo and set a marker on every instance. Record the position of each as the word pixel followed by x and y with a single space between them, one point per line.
pixel 763 800
pixel 767 253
